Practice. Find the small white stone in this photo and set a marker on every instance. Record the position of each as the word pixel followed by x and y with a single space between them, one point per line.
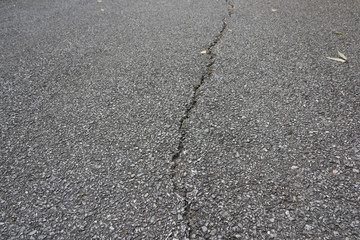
pixel 308 227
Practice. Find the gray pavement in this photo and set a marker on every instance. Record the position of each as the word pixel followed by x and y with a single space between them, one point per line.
pixel 114 126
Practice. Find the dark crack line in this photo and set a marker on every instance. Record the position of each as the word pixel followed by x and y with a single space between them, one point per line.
pixel 188 214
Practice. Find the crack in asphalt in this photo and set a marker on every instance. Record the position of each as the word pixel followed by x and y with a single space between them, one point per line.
pixel 188 213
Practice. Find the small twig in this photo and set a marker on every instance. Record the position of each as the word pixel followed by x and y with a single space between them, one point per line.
pixel 168 236
pixel 76 78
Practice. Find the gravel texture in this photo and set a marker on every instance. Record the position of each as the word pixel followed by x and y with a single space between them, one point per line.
pixel 272 145
pixel 104 136
pixel 91 103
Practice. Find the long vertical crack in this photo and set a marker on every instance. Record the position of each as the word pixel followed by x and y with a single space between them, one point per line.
pixel 181 191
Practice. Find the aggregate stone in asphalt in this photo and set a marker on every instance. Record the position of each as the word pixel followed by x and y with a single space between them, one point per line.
pixel 104 135
pixel 92 93
pixel 272 145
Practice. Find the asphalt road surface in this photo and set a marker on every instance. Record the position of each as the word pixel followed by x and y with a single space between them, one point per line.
pixel 179 119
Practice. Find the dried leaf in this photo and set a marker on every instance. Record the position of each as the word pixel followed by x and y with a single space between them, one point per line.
pixel 342 55
pixel 337 59
pixel 274 10
pixel 102 9
pixel 232 9
pixel 338 33
pixel 99 1
pixel 182 124
pixel 229 30
pixel 203 52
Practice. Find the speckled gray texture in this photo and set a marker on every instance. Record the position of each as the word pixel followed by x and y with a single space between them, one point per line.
pixel 272 146
pixel 92 102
